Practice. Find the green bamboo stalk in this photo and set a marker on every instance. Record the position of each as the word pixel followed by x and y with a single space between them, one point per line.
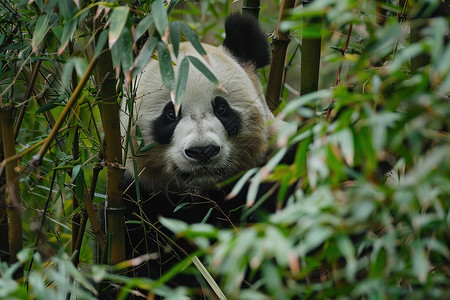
pixel 82 225
pixel 13 201
pixel 109 110
pixel 279 48
pixel 251 7
pixel 75 154
pixel 310 59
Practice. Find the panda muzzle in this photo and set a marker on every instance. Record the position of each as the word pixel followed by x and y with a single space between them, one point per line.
pixel 202 154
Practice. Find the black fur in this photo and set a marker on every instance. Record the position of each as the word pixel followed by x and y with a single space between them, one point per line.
pixel 246 40
pixel 227 116
pixel 164 126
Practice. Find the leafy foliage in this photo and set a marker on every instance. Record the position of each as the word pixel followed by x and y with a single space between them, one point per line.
pixel 369 217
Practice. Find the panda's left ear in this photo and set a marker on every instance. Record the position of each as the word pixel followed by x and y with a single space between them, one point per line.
pixel 246 41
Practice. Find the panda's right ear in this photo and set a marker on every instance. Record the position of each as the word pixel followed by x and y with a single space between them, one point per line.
pixel 246 41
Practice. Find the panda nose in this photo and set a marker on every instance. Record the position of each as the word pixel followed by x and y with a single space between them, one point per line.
pixel 202 154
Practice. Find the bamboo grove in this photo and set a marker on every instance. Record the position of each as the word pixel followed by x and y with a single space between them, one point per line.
pixel 363 84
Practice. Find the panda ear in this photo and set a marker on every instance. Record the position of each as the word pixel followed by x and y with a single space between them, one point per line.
pixel 246 41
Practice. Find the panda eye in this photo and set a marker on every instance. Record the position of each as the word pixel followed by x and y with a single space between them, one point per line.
pixel 170 115
pixel 221 109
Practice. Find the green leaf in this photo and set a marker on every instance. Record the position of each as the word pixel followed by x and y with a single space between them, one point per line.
pixel 66 8
pixel 419 262
pixel 139 139
pixel 347 249
pixel 68 33
pixel 175 36
pixel 80 66
pixel 160 16
pixel 242 181
pixel 176 226
pixel 101 42
pixel 183 71
pixel 385 41
pixel 78 181
pixel 118 20
pixel 192 37
pixel 144 55
pixel 404 56
pixel 40 31
pixel 52 104
pixel 165 66
pixel 142 27
pixel 171 6
pixel 127 50
pixel 203 69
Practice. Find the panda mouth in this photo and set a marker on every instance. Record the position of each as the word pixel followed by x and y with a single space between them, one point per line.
pixel 202 174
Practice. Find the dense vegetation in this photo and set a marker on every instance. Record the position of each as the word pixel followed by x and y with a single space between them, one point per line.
pixel 370 215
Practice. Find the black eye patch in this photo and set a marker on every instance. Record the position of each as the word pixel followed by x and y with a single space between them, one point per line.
pixel 226 115
pixel 164 125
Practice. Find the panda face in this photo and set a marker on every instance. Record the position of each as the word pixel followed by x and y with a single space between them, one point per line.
pixel 217 133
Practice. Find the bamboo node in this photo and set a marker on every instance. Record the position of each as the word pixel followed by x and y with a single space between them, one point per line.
pixel 115 165
pixel 115 210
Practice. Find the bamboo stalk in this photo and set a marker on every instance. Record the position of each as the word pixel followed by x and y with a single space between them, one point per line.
pixel 13 201
pixel 310 58
pixel 280 43
pixel 251 7
pixel 4 237
pixel 109 110
pixel 83 223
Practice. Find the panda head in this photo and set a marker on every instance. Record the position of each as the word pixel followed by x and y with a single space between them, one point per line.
pixel 218 132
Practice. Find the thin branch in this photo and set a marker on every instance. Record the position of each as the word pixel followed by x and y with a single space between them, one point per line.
pixel 37 159
pixel 30 87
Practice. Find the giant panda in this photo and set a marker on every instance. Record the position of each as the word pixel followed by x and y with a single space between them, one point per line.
pixel 219 132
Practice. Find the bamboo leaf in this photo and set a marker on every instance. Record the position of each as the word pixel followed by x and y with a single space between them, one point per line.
pixel 176 226
pixel 240 184
pixel 203 69
pixel 165 66
pixel 183 71
pixel 254 187
pixel 118 19
pixel 419 262
pixel 144 56
pixel 160 16
pixel 175 37
pixel 68 33
pixel 347 249
pixel 40 31
pixel 192 37
pixel 127 50
pixel 101 42
pixel 208 278
pixel 142 27
pixel 80 66
pixel 66 8
pixel 385 40
pixel 171 6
